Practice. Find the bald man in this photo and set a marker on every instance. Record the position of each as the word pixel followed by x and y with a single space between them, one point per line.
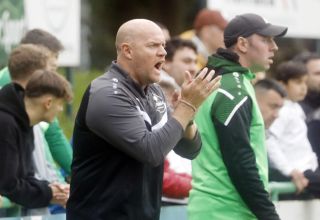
pixel 124 130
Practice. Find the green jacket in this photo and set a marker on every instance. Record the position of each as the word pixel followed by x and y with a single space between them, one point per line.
pixel 230 175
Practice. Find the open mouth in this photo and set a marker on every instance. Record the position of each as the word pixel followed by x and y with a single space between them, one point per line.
pixel 158 65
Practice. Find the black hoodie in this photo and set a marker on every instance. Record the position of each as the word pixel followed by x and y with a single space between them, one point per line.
pixel 17 180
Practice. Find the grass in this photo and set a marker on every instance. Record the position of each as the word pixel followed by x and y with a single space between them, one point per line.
pixel 80 82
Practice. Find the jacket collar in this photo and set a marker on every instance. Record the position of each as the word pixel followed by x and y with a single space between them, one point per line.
pixel 116 68
pixel 226 61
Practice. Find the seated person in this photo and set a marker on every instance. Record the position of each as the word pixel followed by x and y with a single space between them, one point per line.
pixel 289 149
pixel 20 109
pixel 52 154
pixel 50 136
pixel 23 62
pixel 311 103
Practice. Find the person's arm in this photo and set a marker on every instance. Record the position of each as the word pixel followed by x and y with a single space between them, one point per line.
pixel 116 118
pixel 175 185
pixel 277 157
pixel 59 146
pixel 121 124
pixel 189 148
pixel 238 156
pixel 26 191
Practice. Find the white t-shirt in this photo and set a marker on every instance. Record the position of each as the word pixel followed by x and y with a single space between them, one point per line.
pixel 287 144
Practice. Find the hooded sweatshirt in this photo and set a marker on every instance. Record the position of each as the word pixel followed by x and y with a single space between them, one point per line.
pixel 17 181
pixel 230 175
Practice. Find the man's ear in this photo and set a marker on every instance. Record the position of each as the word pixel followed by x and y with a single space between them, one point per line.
pixel 47 101
pixel 242 44
pixel 126 50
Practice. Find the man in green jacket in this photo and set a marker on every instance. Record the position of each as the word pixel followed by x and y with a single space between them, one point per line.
pixel 230 175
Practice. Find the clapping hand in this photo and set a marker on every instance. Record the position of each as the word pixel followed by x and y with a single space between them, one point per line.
pixel 196 90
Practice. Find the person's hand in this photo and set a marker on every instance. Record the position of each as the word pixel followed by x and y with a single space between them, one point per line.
pixel 1 201
pixel 60 193
pixel 299 180
pixel 193 92
pixel 196 90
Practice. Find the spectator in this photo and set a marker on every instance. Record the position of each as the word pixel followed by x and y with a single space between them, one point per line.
pixel 311 103
pixel 207 34
pixel 124 131
pixel 19 111
pixel 52 149
pixel 289 149
pixel 270 96
pixel 230 175
pixel 37 37
pixel 54 137
pixel 181 56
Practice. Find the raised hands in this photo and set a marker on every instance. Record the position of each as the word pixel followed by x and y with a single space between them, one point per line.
pixel 193 92
pixel 196 90
pixel 60 193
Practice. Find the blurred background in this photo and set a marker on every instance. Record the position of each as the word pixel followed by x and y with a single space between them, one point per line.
pixel 87 29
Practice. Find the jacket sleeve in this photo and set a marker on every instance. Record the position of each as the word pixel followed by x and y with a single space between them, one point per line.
pixel 175 185
pixel 59 146
pixel 26 191
pixel 239 158
pixel 189 148
pixel 118 120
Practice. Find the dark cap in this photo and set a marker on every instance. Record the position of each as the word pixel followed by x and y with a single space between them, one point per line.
pixel 209 17
pixel 247 24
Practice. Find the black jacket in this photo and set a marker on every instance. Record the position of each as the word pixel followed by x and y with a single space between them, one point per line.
pixel 17 180
pixel 121 137
pixel 311 107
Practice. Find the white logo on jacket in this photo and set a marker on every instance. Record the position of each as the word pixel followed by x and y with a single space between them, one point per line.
pixel 159 103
